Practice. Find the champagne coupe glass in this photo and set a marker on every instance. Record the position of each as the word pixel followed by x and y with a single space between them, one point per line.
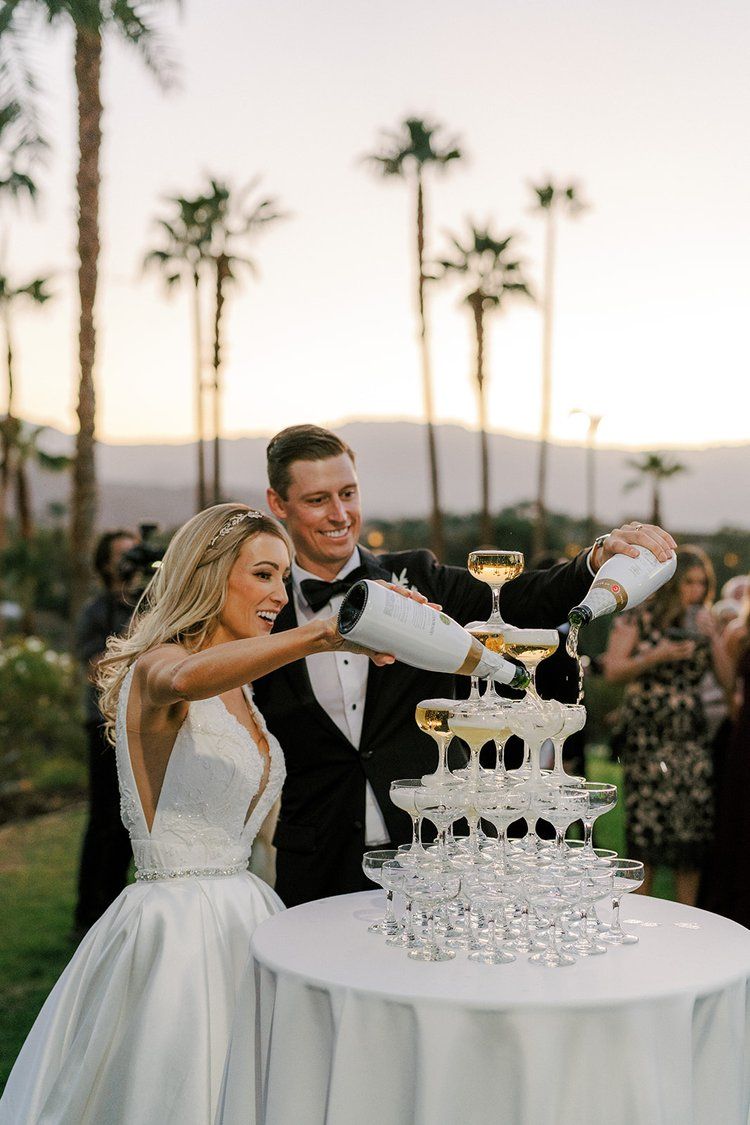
pixel 503 710
pixel 574 719
pixel 429 889
pixel 491 636
pixel 372 863
pixel 402 795
pixel 441 805
pixel 534 722
pixel 595 886
pixel 500 806
pixel 475 727
pixel 585 861
pixel 601 797
pixel 432 717
pixel 392 874
pixel 531 647
pixel 495 568
pixel 551 895
pixel 493 900
pixel 565 805
pixel 627 876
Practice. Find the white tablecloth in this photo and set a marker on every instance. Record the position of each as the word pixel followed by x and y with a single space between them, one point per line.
pixel 354 1033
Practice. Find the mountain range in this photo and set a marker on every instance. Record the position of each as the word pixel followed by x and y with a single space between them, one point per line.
pixel 142 482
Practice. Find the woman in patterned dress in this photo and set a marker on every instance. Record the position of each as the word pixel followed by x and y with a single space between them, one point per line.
pixel 662 654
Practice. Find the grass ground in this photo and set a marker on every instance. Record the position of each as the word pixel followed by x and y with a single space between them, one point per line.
pixel 38 863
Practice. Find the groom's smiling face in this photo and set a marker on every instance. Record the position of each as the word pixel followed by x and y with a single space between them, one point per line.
pixel 322 512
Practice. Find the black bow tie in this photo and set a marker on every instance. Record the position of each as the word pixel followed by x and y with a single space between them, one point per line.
pixel 317 593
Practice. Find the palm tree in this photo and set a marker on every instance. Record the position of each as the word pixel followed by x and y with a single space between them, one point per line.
pixel 235 218
pixel 408 153
pixel 654 468
pixel 130 21
pixel 493 276
pixel 187 236
pixel 11 458
pixel 550 200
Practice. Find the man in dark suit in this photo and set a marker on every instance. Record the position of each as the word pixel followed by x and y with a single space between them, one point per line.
pixel 347 727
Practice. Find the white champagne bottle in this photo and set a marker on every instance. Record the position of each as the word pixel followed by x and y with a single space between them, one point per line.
pixel 380 619
pixel 623 583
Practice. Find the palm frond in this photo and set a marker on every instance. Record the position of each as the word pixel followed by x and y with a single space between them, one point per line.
pixel 136 24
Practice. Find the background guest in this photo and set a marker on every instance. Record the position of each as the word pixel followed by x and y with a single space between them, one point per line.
pixel 663 653
pixel 106 851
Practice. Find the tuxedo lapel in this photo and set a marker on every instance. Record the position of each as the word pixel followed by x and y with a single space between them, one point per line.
pixel 373 566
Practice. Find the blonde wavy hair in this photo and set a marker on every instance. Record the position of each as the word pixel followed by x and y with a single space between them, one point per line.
pixel 183 600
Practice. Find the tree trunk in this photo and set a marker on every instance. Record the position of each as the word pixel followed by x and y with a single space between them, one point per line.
pixel 88 53
pixel 201 496
pixel 540 525
pixel 485 525
pixel 436 519
pixel 222 273
pixel 6 438
pixel 23 502
pixel 656 501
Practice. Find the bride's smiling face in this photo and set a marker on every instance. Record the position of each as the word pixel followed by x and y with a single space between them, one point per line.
pixel 255 590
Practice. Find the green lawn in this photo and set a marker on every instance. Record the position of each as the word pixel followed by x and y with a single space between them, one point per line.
pixel 38 866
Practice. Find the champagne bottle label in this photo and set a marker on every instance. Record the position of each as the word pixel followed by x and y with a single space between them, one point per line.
pixel 616 589
pixel 473 658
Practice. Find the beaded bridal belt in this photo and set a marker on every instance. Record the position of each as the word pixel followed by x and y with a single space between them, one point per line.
pixel 151 875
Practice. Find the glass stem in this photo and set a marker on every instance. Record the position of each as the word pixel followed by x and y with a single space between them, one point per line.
pixel 442 742
pixel 500 759
pixel 431 943
pixel 415 841
pixel 502 841
pixel 495 602
pixel 474 693
pixel 558 766
pixel 389 915
pixel 588 831
pixel 616 927
pixel 409 923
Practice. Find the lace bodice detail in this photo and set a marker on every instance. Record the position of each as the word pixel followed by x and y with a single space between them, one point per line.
pixel 214 773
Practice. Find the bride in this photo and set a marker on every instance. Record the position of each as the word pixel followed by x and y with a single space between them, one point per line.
pixel 138 1028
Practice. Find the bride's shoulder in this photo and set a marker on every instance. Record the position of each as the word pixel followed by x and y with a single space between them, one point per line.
pixel 158 655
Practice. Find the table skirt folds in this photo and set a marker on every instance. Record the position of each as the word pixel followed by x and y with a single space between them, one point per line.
pixel 336 1056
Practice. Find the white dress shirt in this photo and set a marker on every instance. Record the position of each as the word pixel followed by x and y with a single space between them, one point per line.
pixel 339 683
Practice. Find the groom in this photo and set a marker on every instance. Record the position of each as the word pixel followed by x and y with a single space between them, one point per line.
pixel 346 726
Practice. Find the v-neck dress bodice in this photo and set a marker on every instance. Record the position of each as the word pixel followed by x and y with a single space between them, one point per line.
pixel 215 772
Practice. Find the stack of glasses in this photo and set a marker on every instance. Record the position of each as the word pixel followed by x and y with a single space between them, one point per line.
pixel 488 895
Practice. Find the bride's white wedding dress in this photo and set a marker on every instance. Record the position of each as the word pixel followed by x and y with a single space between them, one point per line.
pixel 138 1028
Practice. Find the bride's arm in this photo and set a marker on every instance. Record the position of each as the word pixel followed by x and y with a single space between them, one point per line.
pixel 170 675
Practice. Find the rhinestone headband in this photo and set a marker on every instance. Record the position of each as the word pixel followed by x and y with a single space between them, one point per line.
pixel 251 514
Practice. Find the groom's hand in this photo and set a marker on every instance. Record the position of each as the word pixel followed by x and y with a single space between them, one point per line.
pixel 624 541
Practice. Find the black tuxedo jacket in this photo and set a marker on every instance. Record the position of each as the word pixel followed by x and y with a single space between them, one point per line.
pixel 321 831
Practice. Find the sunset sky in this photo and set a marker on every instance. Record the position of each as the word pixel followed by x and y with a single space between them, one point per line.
pixel 644 104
